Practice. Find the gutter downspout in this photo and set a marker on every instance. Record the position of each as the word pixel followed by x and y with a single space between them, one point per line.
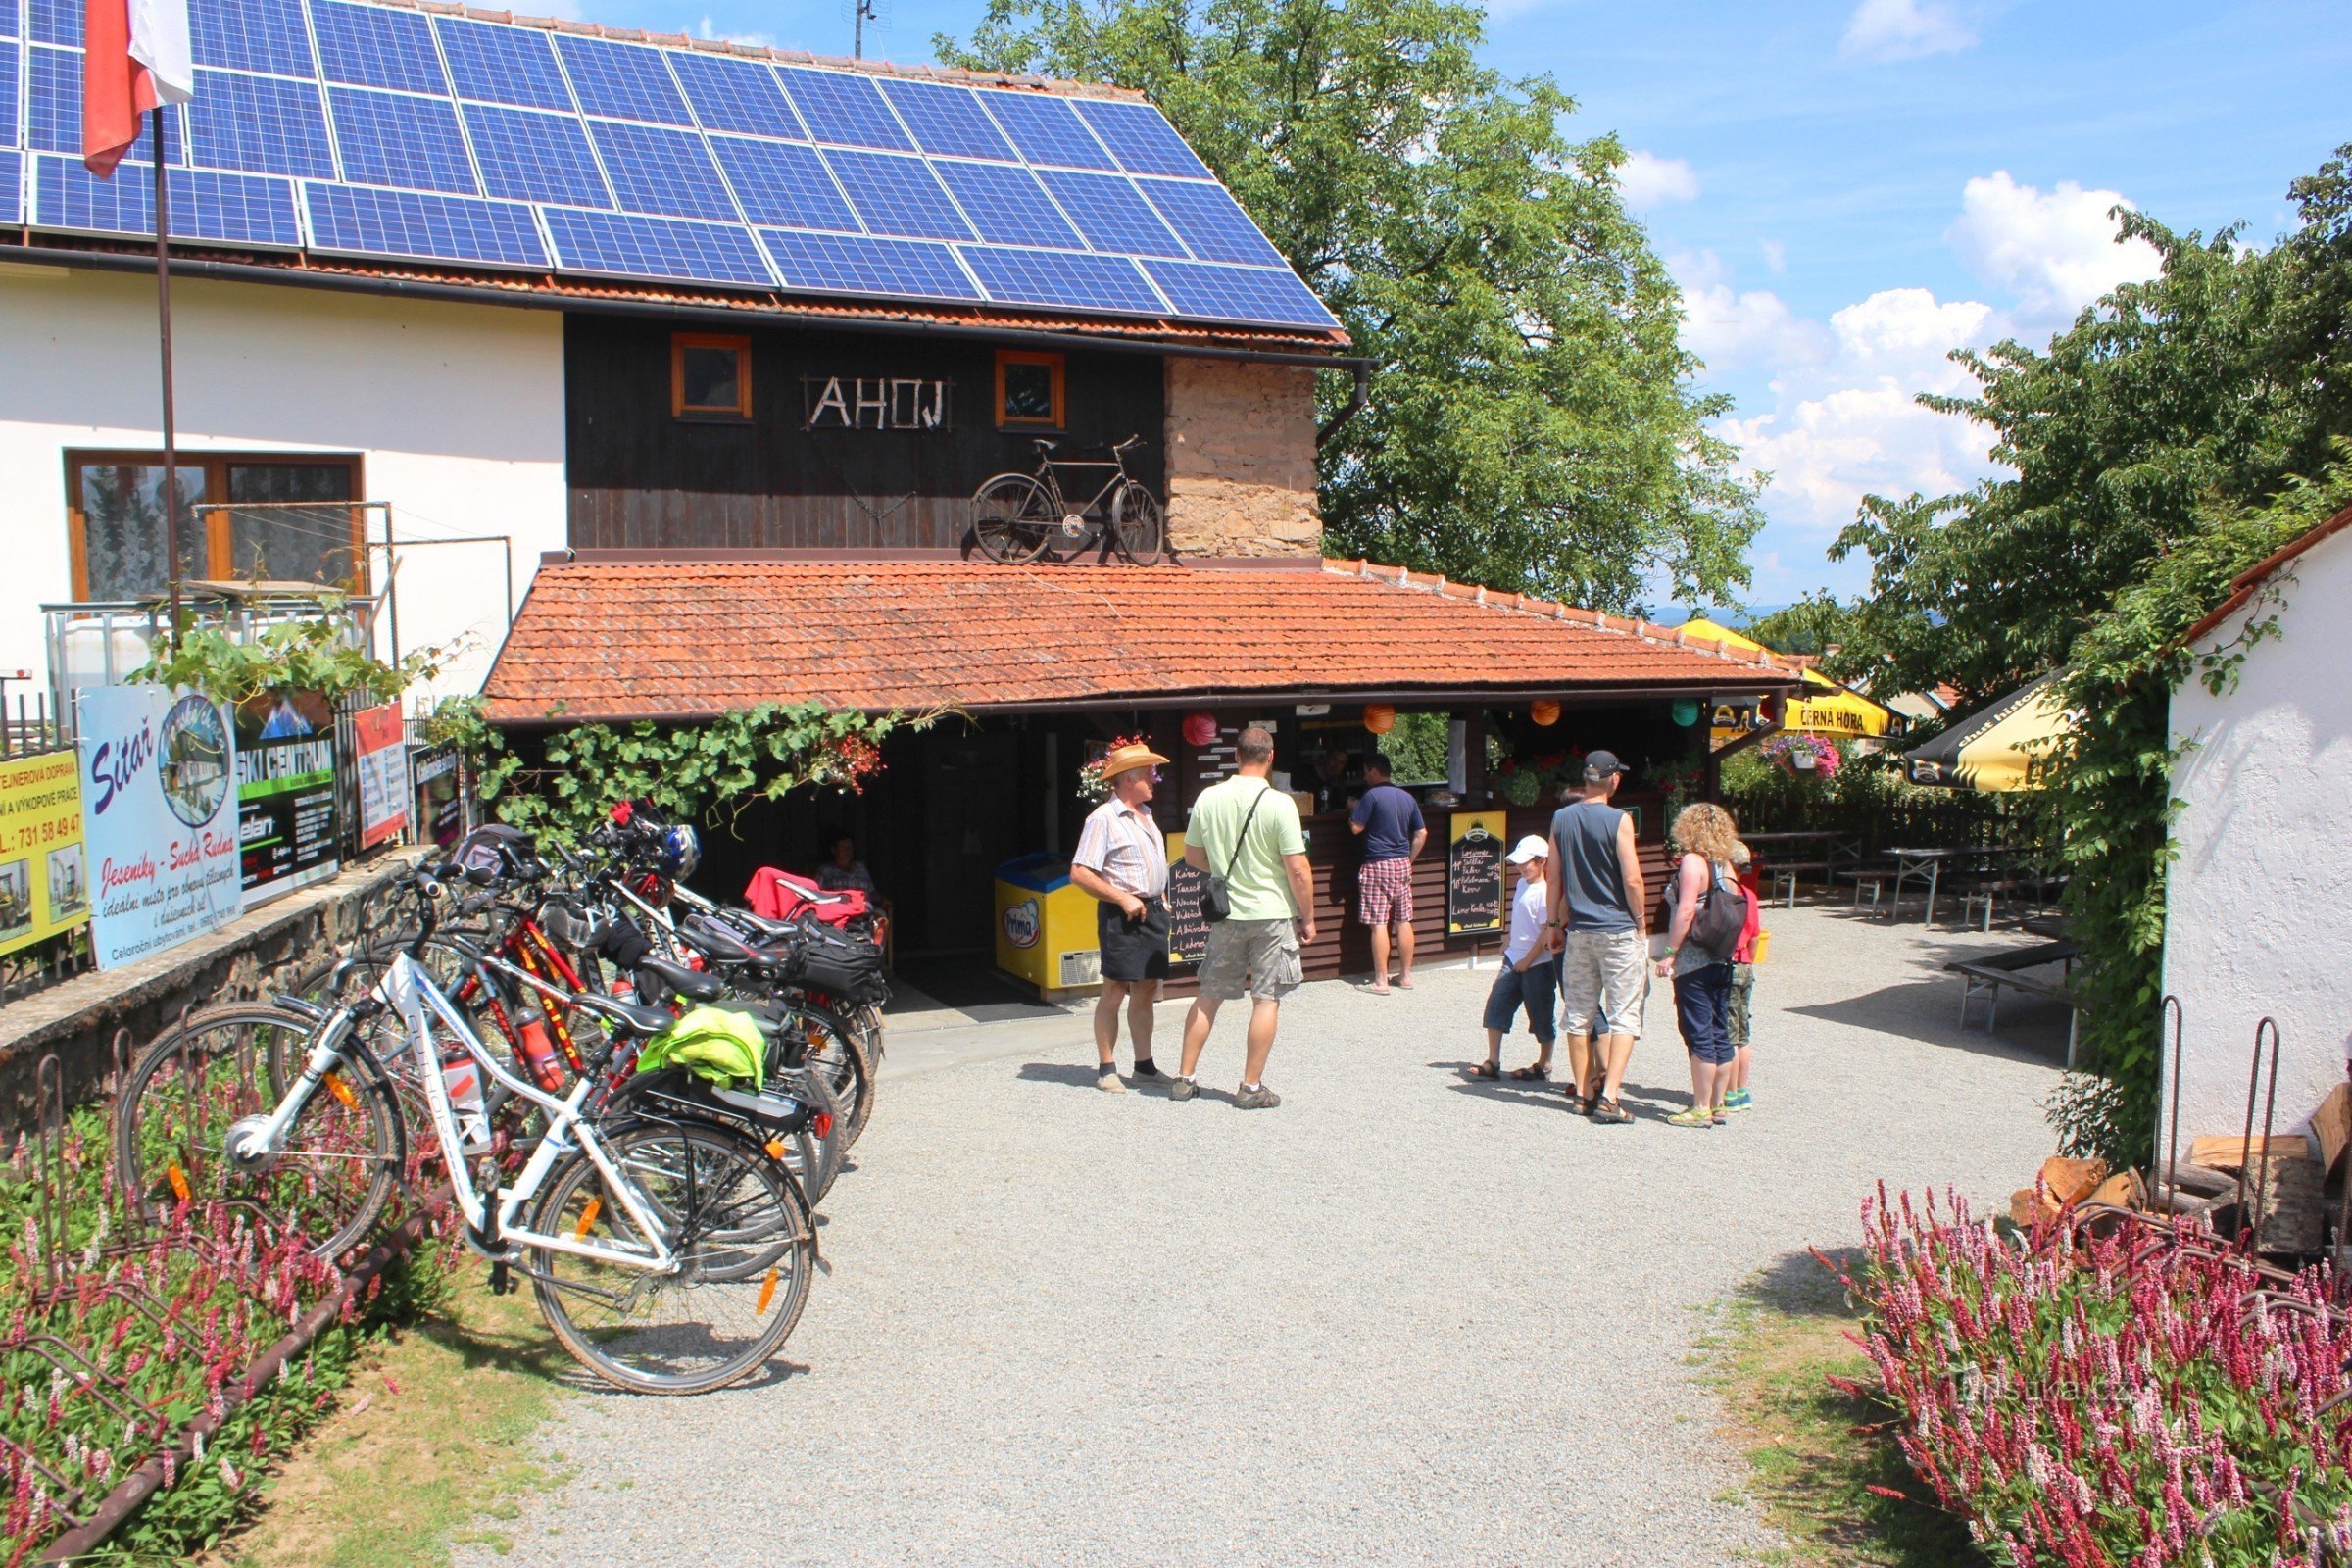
pixel 1356 398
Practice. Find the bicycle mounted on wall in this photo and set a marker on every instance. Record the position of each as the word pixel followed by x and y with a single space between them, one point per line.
pixel 1019 517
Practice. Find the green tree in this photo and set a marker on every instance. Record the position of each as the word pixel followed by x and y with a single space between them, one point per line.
pixel 1814 624
pixel 1531 424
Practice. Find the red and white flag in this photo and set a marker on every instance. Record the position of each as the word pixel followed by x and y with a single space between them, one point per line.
pixel 135 57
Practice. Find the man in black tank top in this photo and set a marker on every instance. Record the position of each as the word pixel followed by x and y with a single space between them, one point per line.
pixel 1600 926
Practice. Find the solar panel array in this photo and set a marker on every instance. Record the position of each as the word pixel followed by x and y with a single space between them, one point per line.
pixel 349 127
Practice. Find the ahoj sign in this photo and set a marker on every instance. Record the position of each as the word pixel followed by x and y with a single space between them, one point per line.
pixel 159 773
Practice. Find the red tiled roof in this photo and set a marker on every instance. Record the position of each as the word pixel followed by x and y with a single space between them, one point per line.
pixel 677 637
pixel 2246 583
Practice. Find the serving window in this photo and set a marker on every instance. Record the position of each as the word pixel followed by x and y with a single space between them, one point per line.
pixel 287 520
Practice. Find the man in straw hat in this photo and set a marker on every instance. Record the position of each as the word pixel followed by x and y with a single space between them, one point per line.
pixel 1122 860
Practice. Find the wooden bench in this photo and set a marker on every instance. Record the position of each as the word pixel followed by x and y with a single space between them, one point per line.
pixel 2003 970
pixel 2038 889
pixel 1793 870
pixel 1874 881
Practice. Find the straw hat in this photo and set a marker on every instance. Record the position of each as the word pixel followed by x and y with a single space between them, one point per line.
pixel 1127 758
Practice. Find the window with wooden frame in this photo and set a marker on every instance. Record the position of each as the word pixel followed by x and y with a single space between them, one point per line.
pixel 287 517
pixel 709 376
pixel 1028 390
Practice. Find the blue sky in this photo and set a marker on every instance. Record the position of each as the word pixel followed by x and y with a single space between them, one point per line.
pixel 1847 189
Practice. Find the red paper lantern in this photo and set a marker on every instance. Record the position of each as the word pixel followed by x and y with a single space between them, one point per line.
pixel 1380 718
pixel 1200 728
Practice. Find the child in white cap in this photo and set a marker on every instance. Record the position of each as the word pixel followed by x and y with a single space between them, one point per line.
pixel 1529 972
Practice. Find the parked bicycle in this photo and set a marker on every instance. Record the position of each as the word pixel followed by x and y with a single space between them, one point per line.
pixel 1020 516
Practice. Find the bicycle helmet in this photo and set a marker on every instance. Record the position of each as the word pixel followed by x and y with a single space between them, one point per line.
pixel 677 851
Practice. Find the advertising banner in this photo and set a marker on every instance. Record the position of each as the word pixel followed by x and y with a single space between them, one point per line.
pixel 159 819
pixel 285 791
pixel 440 799
pixel 44 883
pixel 1474 874
pixel 383 763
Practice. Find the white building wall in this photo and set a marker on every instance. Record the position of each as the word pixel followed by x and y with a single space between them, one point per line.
pixel 2259 905
pixel 456 409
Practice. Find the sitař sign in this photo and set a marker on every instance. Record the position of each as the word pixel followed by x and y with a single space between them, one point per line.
pixel 160 823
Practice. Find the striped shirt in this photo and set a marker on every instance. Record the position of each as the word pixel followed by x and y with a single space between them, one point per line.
pixel 1125 848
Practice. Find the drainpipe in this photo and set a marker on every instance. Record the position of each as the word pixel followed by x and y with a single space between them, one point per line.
pixel 1355 402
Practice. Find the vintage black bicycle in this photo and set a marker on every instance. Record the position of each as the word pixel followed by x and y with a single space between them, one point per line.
pixel 1020 516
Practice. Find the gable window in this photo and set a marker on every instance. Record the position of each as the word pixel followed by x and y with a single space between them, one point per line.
pixel 709 376
pixel 286 519
pixel 1028 390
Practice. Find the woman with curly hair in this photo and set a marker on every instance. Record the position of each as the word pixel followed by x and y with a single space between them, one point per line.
pixel 1709 842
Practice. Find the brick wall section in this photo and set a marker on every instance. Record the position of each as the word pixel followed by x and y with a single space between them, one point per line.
pixel 1242 458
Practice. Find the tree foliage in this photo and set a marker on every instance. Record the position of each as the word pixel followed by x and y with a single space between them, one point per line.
pixel 1532 424
pixel 1814 624
pixel 313 654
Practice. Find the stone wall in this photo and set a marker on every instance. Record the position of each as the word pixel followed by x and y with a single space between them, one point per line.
pixel 1242 458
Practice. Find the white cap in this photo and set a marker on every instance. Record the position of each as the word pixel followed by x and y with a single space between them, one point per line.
pixel 1534 846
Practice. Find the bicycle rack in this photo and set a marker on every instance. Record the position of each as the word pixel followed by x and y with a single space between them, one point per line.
pixel 2270 1109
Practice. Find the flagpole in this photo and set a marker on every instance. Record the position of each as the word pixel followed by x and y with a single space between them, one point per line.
pixel 163 305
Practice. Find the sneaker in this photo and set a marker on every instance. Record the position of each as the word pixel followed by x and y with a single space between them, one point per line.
pixel 1259 1099
pixel 1694 1116
pixel 1738 1100
pixel 1109 1084
pixel 1182 1089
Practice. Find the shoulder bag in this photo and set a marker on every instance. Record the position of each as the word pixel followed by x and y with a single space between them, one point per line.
pixel 1216 898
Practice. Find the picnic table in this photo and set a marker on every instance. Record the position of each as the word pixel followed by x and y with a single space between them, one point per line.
pixel 2005 970
pixel 1821 850
pixel 1926 866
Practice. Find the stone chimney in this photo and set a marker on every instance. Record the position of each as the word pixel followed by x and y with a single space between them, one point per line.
pixel 1240 452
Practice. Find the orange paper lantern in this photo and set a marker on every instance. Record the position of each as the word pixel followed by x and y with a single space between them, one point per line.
pixel 1545 712
pixel 1380 718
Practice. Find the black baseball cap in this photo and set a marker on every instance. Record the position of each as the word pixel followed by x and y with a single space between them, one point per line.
pixel 1601 764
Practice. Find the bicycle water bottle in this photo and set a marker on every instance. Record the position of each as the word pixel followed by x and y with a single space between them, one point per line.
pixel 464 1081
pixel 538 1048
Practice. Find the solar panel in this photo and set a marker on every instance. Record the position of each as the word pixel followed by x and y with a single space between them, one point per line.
pixel 1055 278
pixel 897 195
pixel 234 209
pixel 1270 295
pixel 251 35
pixel 54 21
pixel 1110 214
pixel 1006 205
pixel 783 182
pixel 8 20
pixel 853 264
pixel 399 222
pixel 53 109
pixel 622 80
pixel 948 119
pixel 11 179
pixel 657 170
pixel 526 156
pixel 1046 130
pixel 263 125
pixel 1140 138
pixel 843 109
pixel 10 94
pixel 628 245
pixel 1210 222
pixel 735 95
pixel 503 65
pixel 376 46
pixel 389 138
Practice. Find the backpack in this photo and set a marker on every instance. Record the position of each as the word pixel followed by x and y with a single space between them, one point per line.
pixel 1722 916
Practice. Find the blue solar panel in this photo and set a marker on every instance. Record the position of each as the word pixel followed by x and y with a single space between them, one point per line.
pixel 1110 214
pixel 234 209
pixel 529 156
pixel 53 109
pixel 399 222
pixel 251 35
pixel 1210 222
pixel 8 20
pixel 10 96
pixel 503 65
pixel 851 263
pixel 948 119
pixel 1007 206
pixel 622 80
pixel 389 138
pixel 735 95
pixel 263 124
pixel 1055 278
pixel 657 170
pixel 11 179
pixel 54 21
pixel 1140 138
pixel 376 46
pixel 1046 130
pixel 1268 294
pixel 897 195
pixel 629 246
pixel 783 182
pixel 843 109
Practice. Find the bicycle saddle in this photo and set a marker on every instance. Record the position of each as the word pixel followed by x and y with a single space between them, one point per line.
pixel 634 1017
pixel 679 981
pixel 716 941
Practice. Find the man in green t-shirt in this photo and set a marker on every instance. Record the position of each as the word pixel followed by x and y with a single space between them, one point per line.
pixel 1246 831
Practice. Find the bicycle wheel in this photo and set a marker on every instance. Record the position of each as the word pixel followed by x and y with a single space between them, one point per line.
pixel 835 1052
pixel 1138 525
pixel 745 1247
pixel 340 1156
pixel 824 1152
pixel 1012 517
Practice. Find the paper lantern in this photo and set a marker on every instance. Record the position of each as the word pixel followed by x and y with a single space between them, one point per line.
pixel 1545 712
pixel 1686 712
pixel 1200 728
pixel 1380 718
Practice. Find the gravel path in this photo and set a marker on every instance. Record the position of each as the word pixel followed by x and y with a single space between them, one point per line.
pixel 1403 1319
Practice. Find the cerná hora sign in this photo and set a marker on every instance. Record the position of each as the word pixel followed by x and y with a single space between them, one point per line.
pixel 875 403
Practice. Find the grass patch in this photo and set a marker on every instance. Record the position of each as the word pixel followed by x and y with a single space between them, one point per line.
pixel 429 1447
pixel 1813 1451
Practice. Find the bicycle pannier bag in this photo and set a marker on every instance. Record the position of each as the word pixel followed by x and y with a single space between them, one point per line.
pixel 845 965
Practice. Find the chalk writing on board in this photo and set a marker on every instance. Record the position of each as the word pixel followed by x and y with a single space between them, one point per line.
pixel 1474 882
pixel 1187 928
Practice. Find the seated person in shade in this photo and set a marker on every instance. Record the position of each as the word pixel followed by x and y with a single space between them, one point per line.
pixel 842 870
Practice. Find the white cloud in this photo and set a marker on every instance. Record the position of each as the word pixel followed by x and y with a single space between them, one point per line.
pixel 2055 252
pixel 709 31
pixel 1826 452
pixel 1904 29
pixel 1648 180
pixel 1907 327
pixel 1775 255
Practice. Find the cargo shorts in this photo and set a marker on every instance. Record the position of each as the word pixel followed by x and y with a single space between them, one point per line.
pixel 1257 959
pixel 1604 980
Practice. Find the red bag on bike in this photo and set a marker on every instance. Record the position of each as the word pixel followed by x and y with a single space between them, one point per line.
pixel 780 896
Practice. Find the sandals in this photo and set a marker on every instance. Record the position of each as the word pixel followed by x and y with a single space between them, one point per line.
pixel 1488 1069
pixel 1533 1072
pixel 1609 1111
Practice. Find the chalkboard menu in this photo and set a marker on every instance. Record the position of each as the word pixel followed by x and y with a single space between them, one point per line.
pixel 1188 927
pixel 1474 876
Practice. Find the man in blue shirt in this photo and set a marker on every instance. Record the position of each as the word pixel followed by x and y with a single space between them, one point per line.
pixel 1389 819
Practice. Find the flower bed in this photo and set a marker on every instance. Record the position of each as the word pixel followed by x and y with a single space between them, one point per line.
pixel 2144 1399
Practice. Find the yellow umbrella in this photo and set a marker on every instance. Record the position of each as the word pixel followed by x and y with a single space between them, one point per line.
pixel 1825 708
pixel 1994 750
